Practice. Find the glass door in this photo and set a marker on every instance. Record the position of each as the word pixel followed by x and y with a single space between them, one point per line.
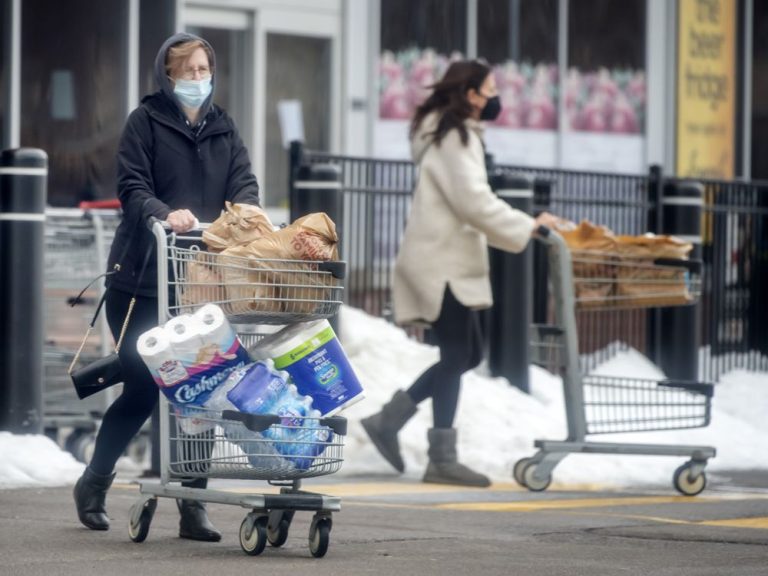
pixel 298 68
pixel 231 34
pixel 266 55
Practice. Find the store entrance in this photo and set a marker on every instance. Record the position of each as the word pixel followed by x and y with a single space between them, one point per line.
pixel 231 34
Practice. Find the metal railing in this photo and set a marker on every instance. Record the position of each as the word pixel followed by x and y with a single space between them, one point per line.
pixel 734 311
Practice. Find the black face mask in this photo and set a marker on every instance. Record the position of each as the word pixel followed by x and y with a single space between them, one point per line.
pixel 492 109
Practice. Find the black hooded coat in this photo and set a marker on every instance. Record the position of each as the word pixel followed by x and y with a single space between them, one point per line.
pixel 164 164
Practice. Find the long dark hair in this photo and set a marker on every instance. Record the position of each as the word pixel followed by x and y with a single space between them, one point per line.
pixel 449 99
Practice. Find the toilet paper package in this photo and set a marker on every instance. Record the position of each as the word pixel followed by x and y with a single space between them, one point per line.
pixel 191 355
pixel 316 362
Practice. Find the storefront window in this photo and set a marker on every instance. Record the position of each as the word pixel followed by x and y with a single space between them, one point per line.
pixel 605 88
pixel 602 97
pixel 417 41
pixel 518 38
pixel 74 92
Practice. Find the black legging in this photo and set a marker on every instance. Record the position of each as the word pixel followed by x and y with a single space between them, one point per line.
pixel 125 417
pixel 458 335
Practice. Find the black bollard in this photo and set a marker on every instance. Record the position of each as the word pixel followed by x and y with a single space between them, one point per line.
pixel 680 327
pixel 295 161
pixel 317 188
pixel 23 184
pixel 511 280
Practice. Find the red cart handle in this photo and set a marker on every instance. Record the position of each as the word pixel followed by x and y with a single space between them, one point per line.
pixel 95 204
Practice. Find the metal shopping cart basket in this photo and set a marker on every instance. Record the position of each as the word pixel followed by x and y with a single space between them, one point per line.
pixel 606 404
pixel 233 445
pixel 77 243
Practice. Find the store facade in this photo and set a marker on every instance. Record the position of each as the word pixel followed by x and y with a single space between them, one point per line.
pixel 586 84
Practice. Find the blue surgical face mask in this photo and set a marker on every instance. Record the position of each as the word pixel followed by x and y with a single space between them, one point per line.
pixel 192 93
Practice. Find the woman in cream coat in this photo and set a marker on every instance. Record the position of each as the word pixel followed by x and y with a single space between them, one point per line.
pixel 442 272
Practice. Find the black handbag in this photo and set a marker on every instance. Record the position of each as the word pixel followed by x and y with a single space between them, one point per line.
pixel 97 376
pixel 107 371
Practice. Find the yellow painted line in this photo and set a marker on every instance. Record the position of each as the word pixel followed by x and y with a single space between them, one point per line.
pixel 761 523
pixel 367 489
pixel 758 523
pixel 570 504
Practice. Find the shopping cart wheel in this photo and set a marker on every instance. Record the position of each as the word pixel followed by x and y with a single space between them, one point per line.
pixel 140 519
pixel 532 483
pixel 519 467
pixel 278 525
pixel 686 484
pixel 253 534
pixel 319 535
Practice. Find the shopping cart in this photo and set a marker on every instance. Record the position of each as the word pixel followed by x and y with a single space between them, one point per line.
pixel 254 294
pixel 77 243
pixel 607 404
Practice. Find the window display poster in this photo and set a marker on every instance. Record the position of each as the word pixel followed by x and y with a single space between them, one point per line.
pixel 524 133
pixel 706 88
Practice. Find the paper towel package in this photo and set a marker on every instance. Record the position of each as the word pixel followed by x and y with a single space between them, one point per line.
pixel 192 355
pixel 313 356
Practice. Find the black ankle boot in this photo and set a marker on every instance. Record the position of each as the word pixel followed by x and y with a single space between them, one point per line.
pixel 194 523
pixel 90 493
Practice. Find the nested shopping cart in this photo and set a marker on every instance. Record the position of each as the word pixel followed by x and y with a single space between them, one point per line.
pixel 254 294
pixel 594 404
pixel 77 243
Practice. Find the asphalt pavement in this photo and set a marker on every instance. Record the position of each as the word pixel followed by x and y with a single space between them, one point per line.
pixel 389 526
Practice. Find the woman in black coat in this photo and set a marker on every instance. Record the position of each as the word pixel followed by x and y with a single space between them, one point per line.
pixel 180 159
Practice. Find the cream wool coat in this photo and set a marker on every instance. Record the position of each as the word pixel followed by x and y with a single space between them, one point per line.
pixel 454 217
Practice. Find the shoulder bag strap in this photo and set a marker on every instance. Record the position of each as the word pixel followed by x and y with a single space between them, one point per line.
pixel 101 304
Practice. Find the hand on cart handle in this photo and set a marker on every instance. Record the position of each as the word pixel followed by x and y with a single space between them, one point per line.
pixel 168 226
pixel 182 221
pixel 546 220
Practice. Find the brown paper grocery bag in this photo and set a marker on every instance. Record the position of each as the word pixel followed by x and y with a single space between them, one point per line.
pixel 641 282
pixel 238 224
pixel 302 287
pixel 203 283
pixel 593 251
pixel 249 286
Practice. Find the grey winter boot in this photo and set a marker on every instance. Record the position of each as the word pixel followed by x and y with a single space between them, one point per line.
pixel 90 494
pixel 384 426
pixel 443 467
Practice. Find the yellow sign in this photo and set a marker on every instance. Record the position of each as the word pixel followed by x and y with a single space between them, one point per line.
pixel 706 71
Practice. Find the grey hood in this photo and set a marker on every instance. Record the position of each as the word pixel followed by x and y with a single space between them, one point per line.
pixel 164 83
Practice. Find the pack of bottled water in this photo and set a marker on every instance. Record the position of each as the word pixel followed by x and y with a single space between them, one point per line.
pixel 259 388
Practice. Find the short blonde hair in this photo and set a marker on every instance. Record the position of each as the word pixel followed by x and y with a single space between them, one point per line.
pixel 180 53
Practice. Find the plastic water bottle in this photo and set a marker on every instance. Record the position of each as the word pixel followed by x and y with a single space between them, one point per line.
pixel 259 390
pixel 300 438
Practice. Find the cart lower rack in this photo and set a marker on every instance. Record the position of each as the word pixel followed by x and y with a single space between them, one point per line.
pixel 612 404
